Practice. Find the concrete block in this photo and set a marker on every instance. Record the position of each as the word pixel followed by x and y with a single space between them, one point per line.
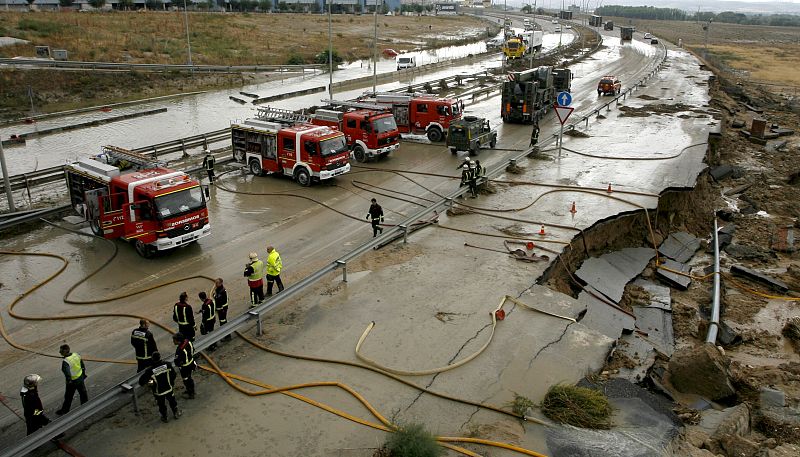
pixel 772 398
pixel 783 239
pixel 758 128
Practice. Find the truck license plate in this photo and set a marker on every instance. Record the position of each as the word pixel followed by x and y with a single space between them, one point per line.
pixel 187 238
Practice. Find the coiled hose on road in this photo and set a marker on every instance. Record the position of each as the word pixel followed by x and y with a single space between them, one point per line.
pixel 214 368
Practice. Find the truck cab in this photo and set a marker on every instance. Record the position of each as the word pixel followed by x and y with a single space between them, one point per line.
pixel 404 62
pixel 609 84
pixel 514 48
pixel 154 208
pixel 369 133
pixel 470 134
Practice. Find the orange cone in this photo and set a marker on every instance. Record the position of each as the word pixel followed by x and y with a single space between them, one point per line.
pixel 541 231
pixel 573 210
pixel 530 245
pixel 609 188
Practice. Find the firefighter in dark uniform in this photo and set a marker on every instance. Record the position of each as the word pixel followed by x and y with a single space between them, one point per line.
pixel 31 403
pixel 208 318
pixel 535 133
pixel 182 314
pixel 184 360
pixel 161 378
pixel 473 179
pixel 208 166
pixel 221 302
pixel 144 344
pixel 464 175
pixel 376 213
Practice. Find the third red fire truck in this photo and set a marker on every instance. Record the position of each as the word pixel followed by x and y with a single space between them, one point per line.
pixel 280 141
pixel 370 130
pixel 419 113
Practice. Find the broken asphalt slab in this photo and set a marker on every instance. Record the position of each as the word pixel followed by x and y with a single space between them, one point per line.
pixel 610 272
pixel 604 318
pixel 674 279
pixel 766 280
pixel 680 246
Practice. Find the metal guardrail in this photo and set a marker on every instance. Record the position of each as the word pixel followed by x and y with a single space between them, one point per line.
pixel 30 216
pixel 76 64
pixel 129 385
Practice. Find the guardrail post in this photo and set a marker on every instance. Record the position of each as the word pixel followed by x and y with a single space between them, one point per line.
pixel 343 264
pixel 259 328
pixel 155 153
pixel 129 388
pixel 405 232
pixel 183 147
pixel 449 202
pixel 587 122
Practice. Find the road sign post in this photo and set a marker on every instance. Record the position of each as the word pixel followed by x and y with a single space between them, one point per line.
pixel 563 113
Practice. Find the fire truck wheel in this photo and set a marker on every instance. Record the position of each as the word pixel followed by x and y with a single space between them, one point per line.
pixel 359 154
pixel 493 142
pixel 302 177
pixel 453 151
pixel 435 135
pixel 255 168
pixel 143 250
pixel 95 226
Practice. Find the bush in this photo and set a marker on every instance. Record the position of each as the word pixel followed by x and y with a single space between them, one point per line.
pixel 295 59
pixel 413 441
pixel 577 406
pixel 322 57
pixel 97 3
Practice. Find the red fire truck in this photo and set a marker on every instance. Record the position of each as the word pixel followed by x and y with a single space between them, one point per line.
pixel 419 113
pixel 370 130
pixel 280 141
pixel 153 207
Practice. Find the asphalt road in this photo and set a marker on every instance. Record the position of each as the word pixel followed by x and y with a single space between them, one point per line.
pixel 431 298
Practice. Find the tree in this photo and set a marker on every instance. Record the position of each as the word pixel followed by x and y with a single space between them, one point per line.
pixel 527 9
pixel 265 5
pixel 97 3
pixel 283 6
pixel 154 4
pixel 125 4
pixel 65 3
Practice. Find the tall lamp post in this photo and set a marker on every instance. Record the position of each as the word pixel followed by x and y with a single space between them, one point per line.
pixel 6 181
pixel 330 52
pixel 375 53
pixel 188 43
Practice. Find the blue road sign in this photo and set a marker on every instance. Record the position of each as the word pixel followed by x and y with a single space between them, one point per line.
pixel 564 98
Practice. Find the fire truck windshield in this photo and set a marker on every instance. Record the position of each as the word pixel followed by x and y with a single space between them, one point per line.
pixel 384 124
pixel 332 146
pixel 180 202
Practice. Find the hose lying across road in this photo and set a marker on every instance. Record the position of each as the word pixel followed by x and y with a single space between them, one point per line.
pixel 214 368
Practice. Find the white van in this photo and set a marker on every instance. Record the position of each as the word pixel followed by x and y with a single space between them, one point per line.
pixel 406 62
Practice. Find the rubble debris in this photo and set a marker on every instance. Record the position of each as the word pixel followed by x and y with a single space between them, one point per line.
pixel 782 131
pixel 576 133
pixel 783 239
pixel 610 272
pixel 747 252
pixel 659 295
pixel 602 317
pixel 767 280
pixel 794 178
pixel 721 172
pixel 701 370
pixel 674 279
pixel 758 128
pixel 791 330
pixel 657 324
pixel 737 123
pixel 725 235
pixel 680 246
pixel 736 190
pixel 769 397
pixel 753 108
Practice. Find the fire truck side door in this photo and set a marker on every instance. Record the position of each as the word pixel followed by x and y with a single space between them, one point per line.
pixel 271 154
pixel 401 115
pixel 93 204
pixel 139 221
pixel 110 215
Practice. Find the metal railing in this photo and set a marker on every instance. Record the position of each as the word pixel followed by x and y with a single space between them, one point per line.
pixel 156 67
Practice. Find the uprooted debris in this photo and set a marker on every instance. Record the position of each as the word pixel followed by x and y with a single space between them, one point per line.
pixel 577 406
pixel 658 108
pixel 576 133
pixel 458 210
pixel 515 169
pixel 792 332
pixel 703 371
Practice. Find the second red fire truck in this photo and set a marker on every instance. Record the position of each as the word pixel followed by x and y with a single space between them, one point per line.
pixel 280 141
pixel 370 130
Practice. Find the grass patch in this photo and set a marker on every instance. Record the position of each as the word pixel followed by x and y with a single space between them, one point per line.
pixel 413 440
pixel 577 406
pixel 40 28
pixel 520 404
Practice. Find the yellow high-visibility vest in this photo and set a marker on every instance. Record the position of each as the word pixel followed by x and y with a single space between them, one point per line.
pixel 74 363
pixel 274 264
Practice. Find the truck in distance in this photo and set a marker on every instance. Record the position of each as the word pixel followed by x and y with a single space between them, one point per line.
pixel 470 134
pixel 144 203
pixel 282 142
pixel 528 95
pixel 514 48
pixel 609 85
pixel 626 33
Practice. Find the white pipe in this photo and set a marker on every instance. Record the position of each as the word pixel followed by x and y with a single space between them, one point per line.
pixel 713 326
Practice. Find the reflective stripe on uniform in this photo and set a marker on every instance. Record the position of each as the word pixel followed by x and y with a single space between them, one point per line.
pixel 141 335
pixel 182 320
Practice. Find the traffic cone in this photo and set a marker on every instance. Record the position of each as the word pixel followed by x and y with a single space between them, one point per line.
pixel 573 210
pixel 609 188
pixel 530 245
pixel 541 230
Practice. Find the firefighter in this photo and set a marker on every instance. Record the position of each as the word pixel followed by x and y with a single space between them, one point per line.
pixel 184 360
pixel 254 272
pixel 535 133
pixel 144 344
pixel 208 312
pixel 183 314
pixel 376 213
pixel 480 172
pixel 464 175
pixel 274 267
pixel 74 373
pixel 221 302
pixel 31 403
pixel 208 166
pixel 161 378
pixel 473 179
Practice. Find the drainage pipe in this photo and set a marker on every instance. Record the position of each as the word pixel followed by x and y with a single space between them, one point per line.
pixel 713 327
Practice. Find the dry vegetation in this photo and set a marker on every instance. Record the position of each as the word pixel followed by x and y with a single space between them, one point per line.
pixel 763 53
pixel 224 39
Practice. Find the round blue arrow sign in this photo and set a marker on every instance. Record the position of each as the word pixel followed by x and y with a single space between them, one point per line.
pixel 564 98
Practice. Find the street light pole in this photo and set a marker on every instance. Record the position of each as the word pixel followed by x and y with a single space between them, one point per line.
pixel 6 181
pixel 188 43
pixel 375 53
pixel 330 52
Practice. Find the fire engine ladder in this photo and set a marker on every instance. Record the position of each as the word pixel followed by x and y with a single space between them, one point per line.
pixel 356 104
pixel 135 158
pixel 281 115
pixel 403 94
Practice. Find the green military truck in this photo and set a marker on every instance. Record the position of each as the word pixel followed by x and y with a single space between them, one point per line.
pixel 470 134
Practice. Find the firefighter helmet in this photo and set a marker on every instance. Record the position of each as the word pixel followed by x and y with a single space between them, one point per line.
pixel 253 256
pixel 32 380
